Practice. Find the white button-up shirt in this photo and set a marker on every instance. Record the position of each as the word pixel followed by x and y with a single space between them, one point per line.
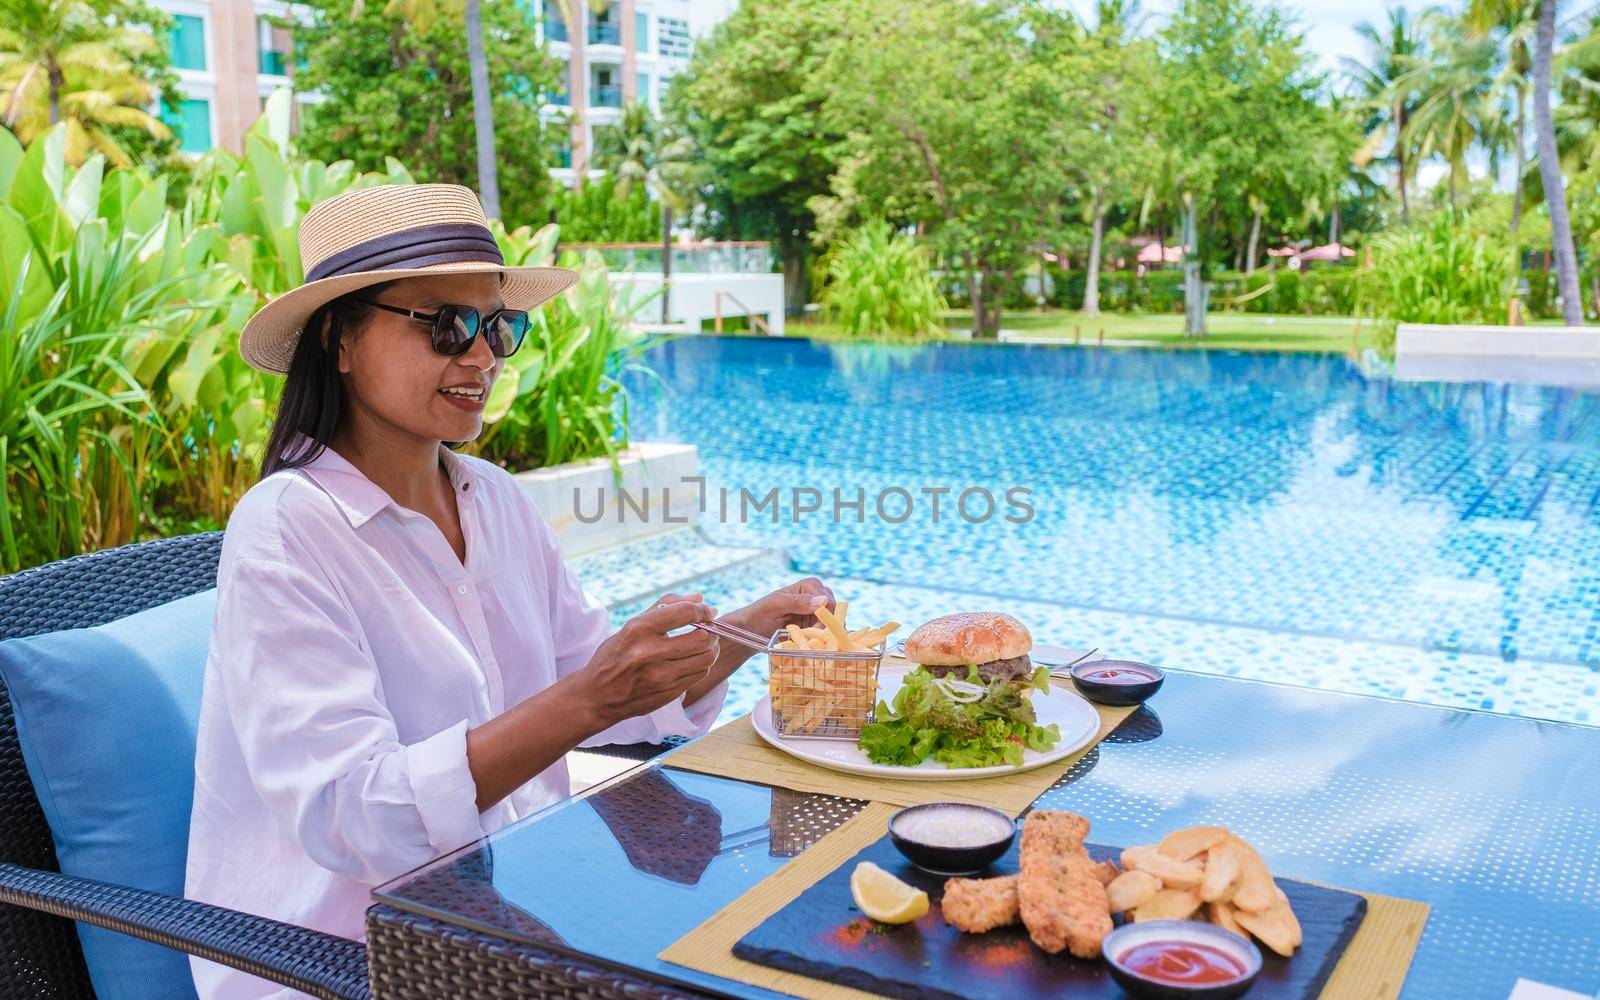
pixel 350 654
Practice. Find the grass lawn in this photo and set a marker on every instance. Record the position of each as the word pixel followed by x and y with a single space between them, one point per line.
pixel 1224 331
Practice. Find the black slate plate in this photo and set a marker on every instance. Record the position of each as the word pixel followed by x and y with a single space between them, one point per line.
pixel 820 934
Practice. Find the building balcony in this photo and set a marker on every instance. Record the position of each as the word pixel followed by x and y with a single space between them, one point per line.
pixel 605 97
pixel 555 29
pixel 560 98
pixel 605 34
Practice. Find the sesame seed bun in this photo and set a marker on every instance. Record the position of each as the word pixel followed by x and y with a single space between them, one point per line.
pixel 968 637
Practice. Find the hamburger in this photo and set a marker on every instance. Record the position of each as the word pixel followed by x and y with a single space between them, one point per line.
pixel 997 644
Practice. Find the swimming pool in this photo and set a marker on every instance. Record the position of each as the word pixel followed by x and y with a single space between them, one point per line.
pixel 1290 499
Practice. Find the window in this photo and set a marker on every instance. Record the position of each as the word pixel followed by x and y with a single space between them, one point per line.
pixel 272 54
pixel 673 37
pixel 641 87
pixel 192 120
pixel 641 33
pixel 188 42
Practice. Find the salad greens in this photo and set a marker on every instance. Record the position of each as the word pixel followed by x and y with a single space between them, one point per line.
pixel 925 720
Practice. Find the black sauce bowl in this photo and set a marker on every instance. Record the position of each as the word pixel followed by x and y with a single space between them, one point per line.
pixel 951 860
pixel 1129 936
pixel 1111 692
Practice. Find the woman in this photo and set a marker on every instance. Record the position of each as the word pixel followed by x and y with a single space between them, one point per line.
pixel 400 659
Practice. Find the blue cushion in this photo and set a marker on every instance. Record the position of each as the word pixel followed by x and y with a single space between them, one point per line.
pixel 106 717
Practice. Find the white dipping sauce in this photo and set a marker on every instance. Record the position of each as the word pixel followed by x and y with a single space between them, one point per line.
pixel 952 826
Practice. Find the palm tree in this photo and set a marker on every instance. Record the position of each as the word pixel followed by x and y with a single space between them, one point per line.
pixel 1555 192
pixel 1513 26
pixel 641 149
pixel 1456 108
pixel 67 60
pixel 1391 52
pixel 1570 140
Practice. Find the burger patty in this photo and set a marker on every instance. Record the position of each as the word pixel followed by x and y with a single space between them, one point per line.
pixel 1014 669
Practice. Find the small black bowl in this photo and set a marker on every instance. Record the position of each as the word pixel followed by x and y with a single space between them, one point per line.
pixel 1117 692
pixel 1124 939
pixel 942 860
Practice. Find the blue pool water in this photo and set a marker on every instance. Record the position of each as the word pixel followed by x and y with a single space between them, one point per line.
pixel 1289 498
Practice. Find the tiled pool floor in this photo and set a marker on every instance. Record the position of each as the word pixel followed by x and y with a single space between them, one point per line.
pixel 629 577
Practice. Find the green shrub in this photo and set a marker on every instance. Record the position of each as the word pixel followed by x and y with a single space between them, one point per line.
pixel 596 213
pixel 1441 272
pixel 125 409
pixel 877 281
pixel 1539 294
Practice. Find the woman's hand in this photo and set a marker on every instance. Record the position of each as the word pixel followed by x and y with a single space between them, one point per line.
pixel 795 604
pixel 640 668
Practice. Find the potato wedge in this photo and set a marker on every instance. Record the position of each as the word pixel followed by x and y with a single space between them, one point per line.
pixel 1131 889
pixel 1276 927
pixel 1169 904
pixel 1257 892
pixel 1222 914
pixel 1191 842
pixel 1222 873
pixel 1173 873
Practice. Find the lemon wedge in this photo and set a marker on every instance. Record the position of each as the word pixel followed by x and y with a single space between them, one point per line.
pixel 885 898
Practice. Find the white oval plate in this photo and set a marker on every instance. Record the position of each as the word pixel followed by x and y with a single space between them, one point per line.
pixel 1078 720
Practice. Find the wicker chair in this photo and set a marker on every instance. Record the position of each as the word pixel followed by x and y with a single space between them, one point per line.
pixel 39 952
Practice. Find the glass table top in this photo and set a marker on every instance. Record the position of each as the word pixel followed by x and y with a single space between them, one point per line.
pixel 1493 821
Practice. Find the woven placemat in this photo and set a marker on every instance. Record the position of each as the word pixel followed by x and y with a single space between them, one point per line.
pixel 1373 967
pixel 735 751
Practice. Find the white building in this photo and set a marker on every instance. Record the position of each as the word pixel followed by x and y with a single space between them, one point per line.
pixel 628 52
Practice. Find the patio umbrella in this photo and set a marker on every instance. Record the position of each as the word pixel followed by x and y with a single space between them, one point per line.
pixel 1154 253
pixel 1328 251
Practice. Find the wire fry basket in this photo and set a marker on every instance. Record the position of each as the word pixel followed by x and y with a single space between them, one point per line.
pixel 819 693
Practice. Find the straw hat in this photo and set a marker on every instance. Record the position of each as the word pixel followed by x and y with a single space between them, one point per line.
pixel 379 234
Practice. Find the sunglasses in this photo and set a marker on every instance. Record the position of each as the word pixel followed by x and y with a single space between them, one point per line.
pixel 454 328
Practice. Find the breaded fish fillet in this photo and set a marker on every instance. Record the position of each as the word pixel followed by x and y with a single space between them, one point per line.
pixel 1062 901
pixel 976 905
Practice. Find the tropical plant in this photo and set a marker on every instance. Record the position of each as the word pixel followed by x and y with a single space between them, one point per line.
pixel 1446 271
pixel 80 442
pixel 95 64
pixel 879 281
pixel 125 409
pixel 598 212
pixel 1555 192
pixel 1379 81
pixel 1457 108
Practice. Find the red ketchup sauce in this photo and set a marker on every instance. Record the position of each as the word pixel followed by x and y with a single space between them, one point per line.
pixel 1182 962
pixel 1117 675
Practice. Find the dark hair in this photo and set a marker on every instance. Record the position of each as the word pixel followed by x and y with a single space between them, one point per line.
pixel 313 394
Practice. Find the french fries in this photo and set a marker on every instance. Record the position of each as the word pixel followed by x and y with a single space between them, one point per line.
pixel 811 692
pixel 1206 873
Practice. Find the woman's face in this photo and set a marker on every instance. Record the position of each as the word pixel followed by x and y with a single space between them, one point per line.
pixel 393 376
